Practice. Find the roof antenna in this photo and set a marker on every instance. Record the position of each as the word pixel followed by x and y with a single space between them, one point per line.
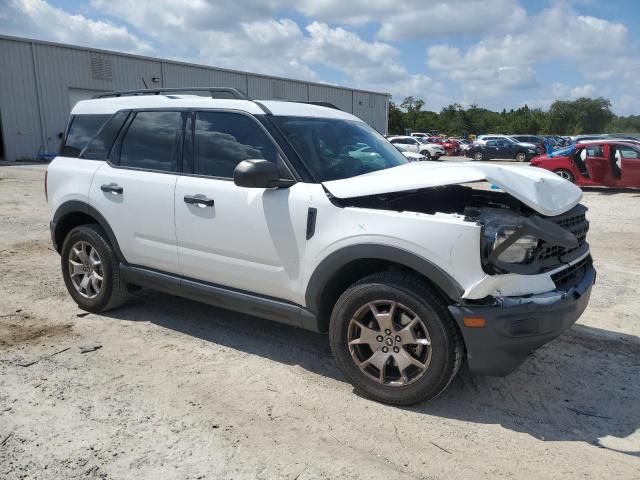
pixel 145 83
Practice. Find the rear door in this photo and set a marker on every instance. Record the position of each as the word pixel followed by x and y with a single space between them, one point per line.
pixel 135 190
pixel 598 164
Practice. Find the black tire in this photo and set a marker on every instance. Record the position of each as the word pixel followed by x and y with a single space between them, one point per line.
pixel 427 155
pixel 446 344
pixel 566 174
pixel 521 157
pixel 113 291
pixel 478 156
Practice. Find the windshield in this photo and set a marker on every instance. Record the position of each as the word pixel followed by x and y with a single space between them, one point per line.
pixel 334 149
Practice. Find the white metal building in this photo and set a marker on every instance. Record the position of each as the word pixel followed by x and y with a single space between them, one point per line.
pixel 41 81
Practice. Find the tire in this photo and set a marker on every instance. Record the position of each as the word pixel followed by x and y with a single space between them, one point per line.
pixel 98 295
pixel 521 157
pixel 427 155
pixel 478 156
pixel 441 358
pixel 566 174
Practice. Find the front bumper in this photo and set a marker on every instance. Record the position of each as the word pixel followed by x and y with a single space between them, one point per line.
pixel 513 332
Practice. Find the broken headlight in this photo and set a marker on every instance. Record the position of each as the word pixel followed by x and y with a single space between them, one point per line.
pixel 520 251
pixel 502 241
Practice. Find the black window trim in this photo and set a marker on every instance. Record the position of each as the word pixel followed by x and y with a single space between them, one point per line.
pixel 282 158
pixel 188 128
pixel 114 157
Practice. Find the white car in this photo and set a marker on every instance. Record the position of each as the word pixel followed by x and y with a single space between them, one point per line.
pixel 432 151
pixel 305 215
pixel 413 156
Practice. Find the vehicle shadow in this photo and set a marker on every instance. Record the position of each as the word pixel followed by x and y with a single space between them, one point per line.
pixel 610 190
pixel 581 387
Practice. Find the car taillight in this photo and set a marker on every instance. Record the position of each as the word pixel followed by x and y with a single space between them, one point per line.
pixel 46 193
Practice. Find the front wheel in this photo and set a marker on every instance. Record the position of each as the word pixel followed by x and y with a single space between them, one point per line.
pixel 394 339
pixel 566 174
pixel 91 270
pixel 521 157
pixel 427 155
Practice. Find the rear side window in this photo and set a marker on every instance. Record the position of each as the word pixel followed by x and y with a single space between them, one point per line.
pixel 81 130
pixel 98 148
pixel 153 141
pixel 222 140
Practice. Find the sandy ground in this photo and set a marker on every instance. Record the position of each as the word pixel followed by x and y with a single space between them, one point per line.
pixel 188 391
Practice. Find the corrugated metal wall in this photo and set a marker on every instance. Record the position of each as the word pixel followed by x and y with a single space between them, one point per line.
pixel 40 80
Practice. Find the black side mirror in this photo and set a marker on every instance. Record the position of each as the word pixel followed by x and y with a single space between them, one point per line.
pixel 257 174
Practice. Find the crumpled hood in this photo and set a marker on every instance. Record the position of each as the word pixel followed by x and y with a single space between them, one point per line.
pixel 543 191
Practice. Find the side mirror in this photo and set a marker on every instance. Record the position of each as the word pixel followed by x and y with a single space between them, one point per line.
pixel 257 174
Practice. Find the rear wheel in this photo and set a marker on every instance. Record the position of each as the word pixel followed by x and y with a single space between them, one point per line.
pixel 477 156
pixel 394 339
pixel 521 157
pixel 91 270
pixel 566 174
pixel 427 155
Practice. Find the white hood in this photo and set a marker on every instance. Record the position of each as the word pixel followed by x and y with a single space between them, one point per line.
pixel 543 191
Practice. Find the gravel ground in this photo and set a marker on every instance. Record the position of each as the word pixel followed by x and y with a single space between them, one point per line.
pixel 184 390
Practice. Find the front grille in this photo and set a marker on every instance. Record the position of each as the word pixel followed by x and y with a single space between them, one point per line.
pixel 570 276
pixel 574 221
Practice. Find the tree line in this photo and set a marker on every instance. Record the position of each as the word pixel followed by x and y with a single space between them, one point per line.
pixel 564 117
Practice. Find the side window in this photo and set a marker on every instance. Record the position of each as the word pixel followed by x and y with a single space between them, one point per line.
pixel 628 152
pixel 397 141
pixel 222 140
pixel 153 141
pixel 595 151
pixel 98 148
pixel 81 130
pixel 492 143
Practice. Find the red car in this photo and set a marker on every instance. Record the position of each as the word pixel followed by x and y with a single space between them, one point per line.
pixel 451 146
pixel 607 163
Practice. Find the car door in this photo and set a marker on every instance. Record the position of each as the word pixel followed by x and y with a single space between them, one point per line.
pixel 503 149
pixel 135 190
pixel 598 164
pixel 401 144
pixel 629 160
pixel 490 149
pixel 247 239
pixel 413 145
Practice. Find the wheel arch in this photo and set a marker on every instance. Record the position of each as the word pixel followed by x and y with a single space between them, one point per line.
pixel 74 213
pixel 346 266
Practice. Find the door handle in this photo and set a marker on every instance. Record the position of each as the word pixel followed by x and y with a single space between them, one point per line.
pixel 198 200
pixel 113 188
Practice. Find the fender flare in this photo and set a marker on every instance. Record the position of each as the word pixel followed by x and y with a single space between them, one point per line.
pixel 77 206
pixel 332 264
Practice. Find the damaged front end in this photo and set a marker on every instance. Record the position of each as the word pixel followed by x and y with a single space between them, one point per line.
pixel 537 271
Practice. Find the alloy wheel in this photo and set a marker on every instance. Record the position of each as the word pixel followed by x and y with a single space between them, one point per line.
pixel 477 156
pixel 389 343
pixel 85 269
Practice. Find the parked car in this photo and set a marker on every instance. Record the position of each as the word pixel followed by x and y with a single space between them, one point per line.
pixel 262 207
pixel 536 140
pixel 501 148
pixel 451 146
pixel 431 151
pixel 411 156
pixel 484 138
pixel 608 163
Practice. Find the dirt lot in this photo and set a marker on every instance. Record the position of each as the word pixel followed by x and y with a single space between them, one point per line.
pixel 183 390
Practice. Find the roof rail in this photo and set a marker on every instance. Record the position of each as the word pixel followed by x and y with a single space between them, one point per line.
pixel 234 92
pixel 319 103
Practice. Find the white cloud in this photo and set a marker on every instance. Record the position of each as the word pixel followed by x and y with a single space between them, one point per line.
pixel 500 65
pixel 418 18
pixel 38 19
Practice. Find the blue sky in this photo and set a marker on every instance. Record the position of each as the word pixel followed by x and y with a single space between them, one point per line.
pixel 494 53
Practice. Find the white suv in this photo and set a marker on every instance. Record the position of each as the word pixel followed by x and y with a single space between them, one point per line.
pixel 305 215
pixel 431 151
